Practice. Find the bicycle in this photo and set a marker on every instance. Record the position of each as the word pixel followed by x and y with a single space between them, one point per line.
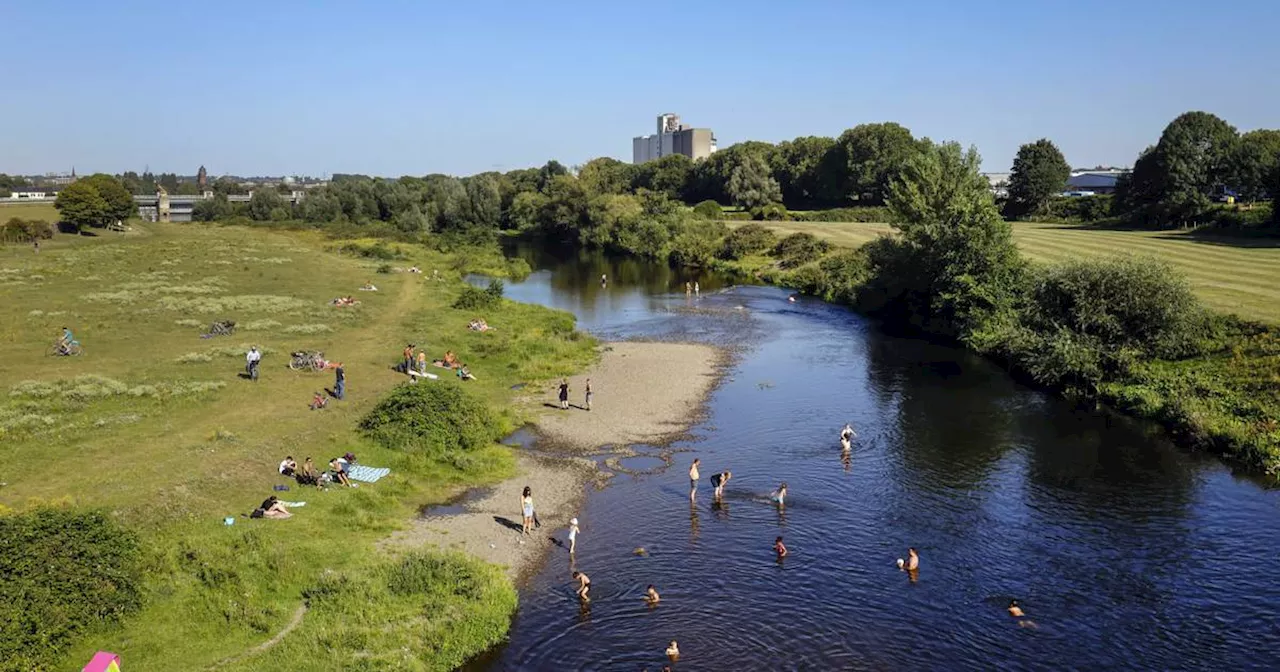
pixel 307 361
pixel 69 350
pixel 253 370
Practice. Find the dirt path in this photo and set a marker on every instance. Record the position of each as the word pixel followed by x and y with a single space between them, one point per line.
pixel 289 627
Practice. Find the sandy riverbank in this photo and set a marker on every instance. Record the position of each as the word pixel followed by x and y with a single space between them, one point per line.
pixel 644 392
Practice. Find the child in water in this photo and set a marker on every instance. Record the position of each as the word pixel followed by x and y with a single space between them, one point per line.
pixel 779 548
pixel 584 586
pixel 573 535
pixel 673 651
pixel 651 595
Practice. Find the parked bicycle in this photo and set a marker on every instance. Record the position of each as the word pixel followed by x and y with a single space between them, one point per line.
pixel 304 360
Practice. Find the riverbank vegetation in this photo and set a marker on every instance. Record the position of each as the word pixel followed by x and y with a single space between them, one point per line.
pixel 142 446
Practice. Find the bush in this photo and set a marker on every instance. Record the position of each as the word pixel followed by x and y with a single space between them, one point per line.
pixel 474 298
pixel 64 571
pixel 27 228
pixel 862 215
pixel 1076 209
pixel 697 243
pixel 379 250
pixel 799 249
pixel 439 421
pixel 747 240
pixel 772 212
pixel 384 268
pixel 708 210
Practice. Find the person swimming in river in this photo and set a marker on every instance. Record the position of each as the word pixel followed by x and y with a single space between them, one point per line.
pixel 651 595
pixel 584 586
pixel 673 651
pixel 779 548
pixel 1016 611
pixel 847 434
pixel 912 563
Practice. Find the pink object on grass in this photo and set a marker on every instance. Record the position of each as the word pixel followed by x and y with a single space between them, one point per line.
pixel 103 661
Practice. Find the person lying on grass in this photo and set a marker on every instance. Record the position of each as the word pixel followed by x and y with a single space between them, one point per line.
pixel 271 508
pixel 319 401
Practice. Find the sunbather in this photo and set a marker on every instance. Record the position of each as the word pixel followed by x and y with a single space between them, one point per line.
pixel 450 359
pixel 271 508
pixel 368 287
pixel 465 373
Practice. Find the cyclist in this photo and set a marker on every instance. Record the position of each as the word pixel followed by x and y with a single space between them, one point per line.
pixel 66 341
pixel 251 361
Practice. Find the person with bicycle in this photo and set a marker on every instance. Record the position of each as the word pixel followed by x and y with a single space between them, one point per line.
pixel 66 342
pixel 251 362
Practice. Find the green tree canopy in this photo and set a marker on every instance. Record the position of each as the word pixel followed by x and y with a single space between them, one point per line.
pixel 671 175
pixel 1252 164
pixel 750 184
pixel 120 205
pixel 607 176
pixel 484 202
pixel 873 155
pixel 1040 171
pixel 1173 182
pixel 80 205
pixel 801 169
pixel 263 201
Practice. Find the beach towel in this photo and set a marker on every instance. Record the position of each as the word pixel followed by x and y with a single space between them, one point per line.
pixel 293 505
pixel 359 472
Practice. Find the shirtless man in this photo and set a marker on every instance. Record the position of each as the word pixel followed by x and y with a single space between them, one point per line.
pixel 584 586
pixel 693 478
pixel 651 595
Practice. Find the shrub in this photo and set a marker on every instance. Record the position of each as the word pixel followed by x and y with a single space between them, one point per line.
pixel 708 210
pixel 379 250
pixel 864 215
pixel 697 243
pixel 474 298
pixel 747 240
pixel 384 268
pixel 1077 208
pixel 772 212
pixel 439 421
pixel 799 249
pixel 65 571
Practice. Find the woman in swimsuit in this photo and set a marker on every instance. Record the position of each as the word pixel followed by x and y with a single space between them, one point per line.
pixel 526 508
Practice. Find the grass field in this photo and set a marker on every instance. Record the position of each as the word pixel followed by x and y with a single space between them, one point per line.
pixel 154 424
pixel 1234 275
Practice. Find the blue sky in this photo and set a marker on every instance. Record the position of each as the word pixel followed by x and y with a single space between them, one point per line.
pixel 419 87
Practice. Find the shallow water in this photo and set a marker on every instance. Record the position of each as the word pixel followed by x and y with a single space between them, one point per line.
pixel 1125 551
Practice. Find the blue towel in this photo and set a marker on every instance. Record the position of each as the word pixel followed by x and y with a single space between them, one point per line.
pixel 359 472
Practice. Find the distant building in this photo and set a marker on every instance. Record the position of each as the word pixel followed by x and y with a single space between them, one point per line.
pixel 1095 181
pixel 202 179
pixel 35 193
pixel 673 137
pixel 64 179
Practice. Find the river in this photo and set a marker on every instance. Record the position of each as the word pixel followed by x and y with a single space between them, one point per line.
pixel 1125 551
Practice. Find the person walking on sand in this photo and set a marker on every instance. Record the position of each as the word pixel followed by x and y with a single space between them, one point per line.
pixel 526 509
pixel 564 394
pixel 719 480
pixel 779 548
pixel 588 394
pixel 339 382
pixel 573 535
pixel 693 478
pixel 584 586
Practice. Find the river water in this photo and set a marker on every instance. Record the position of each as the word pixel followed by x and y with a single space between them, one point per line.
pixel 1125 551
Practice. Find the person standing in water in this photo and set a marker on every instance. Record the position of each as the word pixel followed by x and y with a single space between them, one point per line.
pixel 604 279
pixel 564 394
pixel 673 651
pixel 651 595
pixel 1015 610
pixel 588 395
pixel 779 548
pixel 573 535
pixel 584 586
pixel 847 434
pixel 779 496
pixel 697 291
pixel 719 480
pixel 693 478
pixel 912 563
pixel 688 289
pixel 526 509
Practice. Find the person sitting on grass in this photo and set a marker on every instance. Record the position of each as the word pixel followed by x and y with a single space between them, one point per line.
pixel 450 359
pixel 339 472
pixel 319 401
pixel 307 475
pixel 465 373
pixel 288 467
pixel 478 324
pixel 271 508
pixel 368 287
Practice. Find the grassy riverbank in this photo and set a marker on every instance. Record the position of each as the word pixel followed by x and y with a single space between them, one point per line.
pixel 1230 275
pixel 153 425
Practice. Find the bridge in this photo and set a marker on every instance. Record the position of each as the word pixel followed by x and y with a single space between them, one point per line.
pixel 162 207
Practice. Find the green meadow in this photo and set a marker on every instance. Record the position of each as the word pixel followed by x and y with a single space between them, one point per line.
pixel 154 426
pixel 1230 275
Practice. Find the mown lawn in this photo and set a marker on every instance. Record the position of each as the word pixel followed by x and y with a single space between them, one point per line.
pixel 1232 275
pixel 154 424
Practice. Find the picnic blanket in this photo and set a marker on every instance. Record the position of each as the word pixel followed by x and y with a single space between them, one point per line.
pixel 293 504
pixel 359 472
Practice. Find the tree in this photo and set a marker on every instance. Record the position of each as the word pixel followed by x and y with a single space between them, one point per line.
pixel 798 167
pixel 548 172
pixel 80 205
pixel 711 175
pixel 607 176
pixel 120 205
pixel 262 202
pixel 873 155
pixel 1253 163
pixel 750 184
pixel 211 209
pixel 1172 184
pixel 227 186
pixel 1039 172
pixel 671 175
pixel 484 203
pixel 953 269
